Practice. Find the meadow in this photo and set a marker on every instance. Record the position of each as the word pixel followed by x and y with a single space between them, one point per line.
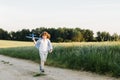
pixel 8 43
pixel 98 57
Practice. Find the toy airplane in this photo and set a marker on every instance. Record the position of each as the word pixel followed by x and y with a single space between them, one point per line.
pixel 31 36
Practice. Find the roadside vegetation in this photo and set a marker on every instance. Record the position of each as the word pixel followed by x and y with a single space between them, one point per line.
pixel 102 58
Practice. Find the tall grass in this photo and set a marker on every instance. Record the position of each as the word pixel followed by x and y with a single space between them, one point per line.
pixel 29 53
pixel 100 58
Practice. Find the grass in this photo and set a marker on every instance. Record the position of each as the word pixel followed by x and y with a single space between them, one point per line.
pixel 102 58
pixel 8 44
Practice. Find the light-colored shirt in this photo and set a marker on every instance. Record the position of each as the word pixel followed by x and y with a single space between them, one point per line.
pixel 43 45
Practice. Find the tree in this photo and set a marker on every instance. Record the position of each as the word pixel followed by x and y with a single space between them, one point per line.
pixel 20 35
pixel 13 35
pixel 115 37
pixel 98 38
pixel 24 33
pixel 59 39
pixel 60 34
pixel 4 34
pixel 103 36
pixel 77 36
pixel 87 35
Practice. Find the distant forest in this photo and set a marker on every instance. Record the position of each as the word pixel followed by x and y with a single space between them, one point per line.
pixel 61 35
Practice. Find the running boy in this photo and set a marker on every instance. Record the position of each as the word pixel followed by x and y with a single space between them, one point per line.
pixel 44 46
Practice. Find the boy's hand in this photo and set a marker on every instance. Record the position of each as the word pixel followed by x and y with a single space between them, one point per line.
pixel 50 51
pixel 33 38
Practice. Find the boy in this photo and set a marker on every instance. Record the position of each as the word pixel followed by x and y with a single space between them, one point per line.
pixel 44 46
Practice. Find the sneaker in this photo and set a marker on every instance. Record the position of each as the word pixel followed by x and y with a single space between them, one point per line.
pixel 42 70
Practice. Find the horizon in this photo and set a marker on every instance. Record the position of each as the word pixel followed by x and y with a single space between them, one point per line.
pixel 94 33
pixel 94 15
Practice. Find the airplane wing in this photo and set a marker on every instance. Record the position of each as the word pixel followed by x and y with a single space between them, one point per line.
pixel 32 37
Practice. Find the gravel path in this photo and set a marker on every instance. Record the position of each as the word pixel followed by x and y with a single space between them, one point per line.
pixel 18 69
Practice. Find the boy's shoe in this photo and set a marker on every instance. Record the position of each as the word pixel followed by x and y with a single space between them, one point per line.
pixel 42 70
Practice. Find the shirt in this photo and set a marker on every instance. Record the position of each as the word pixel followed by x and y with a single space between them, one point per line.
pixel 43 45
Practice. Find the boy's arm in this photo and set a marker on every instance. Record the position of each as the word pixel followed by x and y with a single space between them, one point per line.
pixel 50 46
pixel 34 40
pixel 37 43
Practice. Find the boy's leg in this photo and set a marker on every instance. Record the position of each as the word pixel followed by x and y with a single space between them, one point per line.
pixel 42 65
pixel 43 56
pixel 41 61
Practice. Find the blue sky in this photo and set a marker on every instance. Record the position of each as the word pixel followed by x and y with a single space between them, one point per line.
pixel 97 15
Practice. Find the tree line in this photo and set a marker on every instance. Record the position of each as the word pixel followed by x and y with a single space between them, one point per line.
pixel 61 35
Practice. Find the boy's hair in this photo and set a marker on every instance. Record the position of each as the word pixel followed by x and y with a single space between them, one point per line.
pixel 45 33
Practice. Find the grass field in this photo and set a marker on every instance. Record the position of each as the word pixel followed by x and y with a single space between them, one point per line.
pixel 7 44
pixel 102 58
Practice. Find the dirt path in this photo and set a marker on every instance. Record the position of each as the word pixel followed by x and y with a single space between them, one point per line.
pixel 17 69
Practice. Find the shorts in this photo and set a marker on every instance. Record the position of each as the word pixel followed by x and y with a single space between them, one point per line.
pixel 43 55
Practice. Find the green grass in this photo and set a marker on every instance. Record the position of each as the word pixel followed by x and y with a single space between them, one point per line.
pixel 99 58
pixel 29 53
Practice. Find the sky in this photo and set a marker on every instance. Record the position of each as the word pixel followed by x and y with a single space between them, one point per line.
pixel 96 15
